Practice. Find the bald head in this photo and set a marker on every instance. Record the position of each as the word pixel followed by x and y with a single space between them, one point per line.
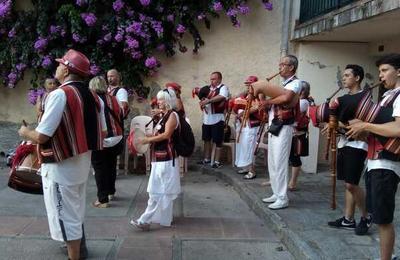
pixel 113 77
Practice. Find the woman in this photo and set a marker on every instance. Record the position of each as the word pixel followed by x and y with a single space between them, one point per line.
pixel 245 147
pixel 164 183
pixel 105 161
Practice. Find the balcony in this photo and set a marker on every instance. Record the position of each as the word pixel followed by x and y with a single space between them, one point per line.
pixel 313 8
pixel 347 20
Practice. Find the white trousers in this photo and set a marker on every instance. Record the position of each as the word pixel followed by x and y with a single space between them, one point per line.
pixel 159 209
pixel 65 206
pixel 278 161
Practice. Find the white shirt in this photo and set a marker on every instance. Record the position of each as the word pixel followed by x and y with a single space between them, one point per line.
pixel 73 170
pixel 383 163
pixel 294 85
pixel 122 94
pixel 208 117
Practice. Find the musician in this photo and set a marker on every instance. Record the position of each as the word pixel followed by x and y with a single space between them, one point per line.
pixel 383 169
pixel 282 115
pixel 164 183
pixel 299 146
pixel 213 118
pixel 65 160
pixel 105 161
pixel 115 89
pixel 244 156
pixel 351 156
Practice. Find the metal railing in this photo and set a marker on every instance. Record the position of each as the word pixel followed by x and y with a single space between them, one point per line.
pixel 313 8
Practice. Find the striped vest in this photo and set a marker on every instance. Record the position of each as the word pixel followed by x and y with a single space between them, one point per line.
pixel 80 128
pixel 286 114
pixel 113 115
pixel 164 150
pixel 216 107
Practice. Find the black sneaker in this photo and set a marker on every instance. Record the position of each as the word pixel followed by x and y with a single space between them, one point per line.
pixel 362 227
pixel 216 165
pixel 204 162
pixel 343 223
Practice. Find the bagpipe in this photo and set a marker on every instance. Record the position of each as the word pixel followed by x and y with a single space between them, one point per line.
pixel 24 175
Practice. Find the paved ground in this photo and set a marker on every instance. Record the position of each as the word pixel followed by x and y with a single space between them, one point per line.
pixel 210 222
pixel 303 226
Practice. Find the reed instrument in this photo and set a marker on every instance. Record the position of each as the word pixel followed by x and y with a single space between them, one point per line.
pixel 260 131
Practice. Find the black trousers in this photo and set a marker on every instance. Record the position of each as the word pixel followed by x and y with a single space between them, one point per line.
pixel 104 163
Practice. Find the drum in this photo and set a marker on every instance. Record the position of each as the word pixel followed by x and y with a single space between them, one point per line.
pixel 239 104
pixel 141 126
pixel 24 175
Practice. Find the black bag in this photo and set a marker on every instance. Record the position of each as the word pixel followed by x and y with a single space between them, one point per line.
pixel 275 127
pixel 183 138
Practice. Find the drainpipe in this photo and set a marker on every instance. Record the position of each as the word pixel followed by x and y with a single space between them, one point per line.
pixel 286 11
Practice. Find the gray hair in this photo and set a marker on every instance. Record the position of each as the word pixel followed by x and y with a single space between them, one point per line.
pixel 169 96
pixel 293 61
pixel 98 84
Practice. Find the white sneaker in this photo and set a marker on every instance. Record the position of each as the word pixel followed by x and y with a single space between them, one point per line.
pixel 271 199
pixel 279 204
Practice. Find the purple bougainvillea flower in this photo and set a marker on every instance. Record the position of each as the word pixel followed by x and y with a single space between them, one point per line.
pixel 170 18
pixel 268 6
pixel 201 16
pixel 94 69
pixel 11 33
pixel 145 2
pixel 89 18
pixel 54 29
pixel 107 37
pixel 150 62
pixel 118 5
pixel 134 27
pixel 217 6
pixel 40 44
pixel 132 43
pixel 12 77
pixel 32 96
pixel 130 13
pixel 243 9
pixel 180 28
pixel 231 12
pixel 80 2
pixel 237 24
pixel 119 37
pixel 5 8
pixel 20 67
pixel 136 55
pixel 76 37
pixel 46 62
pixel 157 26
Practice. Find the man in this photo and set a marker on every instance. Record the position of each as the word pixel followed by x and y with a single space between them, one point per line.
pixel 383 165
pixel 115 89
pixel 350 159
pixel 299 146
pixel 213 119
pixel 281 118
pixel 67 132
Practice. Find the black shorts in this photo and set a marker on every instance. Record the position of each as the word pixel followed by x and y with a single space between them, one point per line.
pixel 214 133
pixel 381 194
pixel 294 160
pixel 350 164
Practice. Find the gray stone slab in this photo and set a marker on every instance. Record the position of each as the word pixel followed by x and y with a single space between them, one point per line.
pixel 230 249
pixel 37 248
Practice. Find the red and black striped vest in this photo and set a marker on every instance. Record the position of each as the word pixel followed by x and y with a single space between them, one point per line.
pixel 80 128
pixel 216 107
pixel 113 115
pixel 164 150
pixel 113 92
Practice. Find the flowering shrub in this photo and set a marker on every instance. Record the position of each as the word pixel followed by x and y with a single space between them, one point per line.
pixel 121 34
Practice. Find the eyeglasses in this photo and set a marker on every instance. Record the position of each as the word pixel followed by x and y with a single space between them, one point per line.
pixel 284 64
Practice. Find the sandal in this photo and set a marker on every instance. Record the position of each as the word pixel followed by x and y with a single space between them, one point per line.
pixel 242 171
pixel 142 226
pixel 249 176
pixel 98 204
pixel 292 189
